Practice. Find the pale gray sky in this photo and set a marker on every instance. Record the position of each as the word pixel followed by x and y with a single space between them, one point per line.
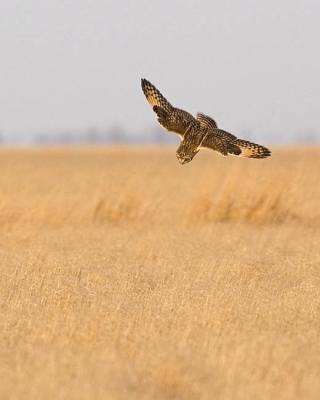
pixel 252 65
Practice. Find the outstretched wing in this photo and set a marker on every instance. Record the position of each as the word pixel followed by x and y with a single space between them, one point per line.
pixel 171 118
pixel 226 143
pixel 154 97
pixel 251 150
pixel 218 140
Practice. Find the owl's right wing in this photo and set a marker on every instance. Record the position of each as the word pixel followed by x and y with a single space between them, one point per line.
pixel 171 118
pixel 154 97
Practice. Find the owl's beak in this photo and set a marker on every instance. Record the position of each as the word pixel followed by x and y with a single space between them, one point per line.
pixel 184 160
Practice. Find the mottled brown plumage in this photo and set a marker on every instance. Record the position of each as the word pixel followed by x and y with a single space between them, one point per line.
pixel 199 132
pixel 171 118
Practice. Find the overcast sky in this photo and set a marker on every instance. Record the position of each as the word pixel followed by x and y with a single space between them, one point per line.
pixel 252 65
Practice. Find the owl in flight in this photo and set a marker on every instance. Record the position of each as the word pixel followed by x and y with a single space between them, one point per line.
pixel 199 132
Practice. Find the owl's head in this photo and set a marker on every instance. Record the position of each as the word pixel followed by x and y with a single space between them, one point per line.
pixel 185 157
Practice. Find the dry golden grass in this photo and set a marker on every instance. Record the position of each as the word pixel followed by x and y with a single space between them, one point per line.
pixel 126 276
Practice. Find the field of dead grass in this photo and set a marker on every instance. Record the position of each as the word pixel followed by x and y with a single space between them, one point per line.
pixel 127 276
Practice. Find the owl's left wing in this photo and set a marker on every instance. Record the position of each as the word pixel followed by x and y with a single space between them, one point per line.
pixel 226 143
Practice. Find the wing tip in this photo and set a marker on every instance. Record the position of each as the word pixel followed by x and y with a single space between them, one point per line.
pixel 260 152
pixel 147 87
pixel 144 83
pixel 252 150
pixel 264 152
pixel 267 152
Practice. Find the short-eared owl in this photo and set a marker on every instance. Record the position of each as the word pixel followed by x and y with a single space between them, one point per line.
pixel 199 132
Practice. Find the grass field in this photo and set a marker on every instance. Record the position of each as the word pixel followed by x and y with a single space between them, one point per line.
pixel 127 276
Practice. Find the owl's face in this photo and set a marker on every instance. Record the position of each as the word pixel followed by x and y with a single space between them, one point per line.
pixel 185 157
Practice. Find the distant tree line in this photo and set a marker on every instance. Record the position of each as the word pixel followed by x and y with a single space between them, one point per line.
pixel 118 135
pixel 92 135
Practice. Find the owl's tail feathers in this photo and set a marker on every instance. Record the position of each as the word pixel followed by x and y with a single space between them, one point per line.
pixel 154 97
pixel 243 148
